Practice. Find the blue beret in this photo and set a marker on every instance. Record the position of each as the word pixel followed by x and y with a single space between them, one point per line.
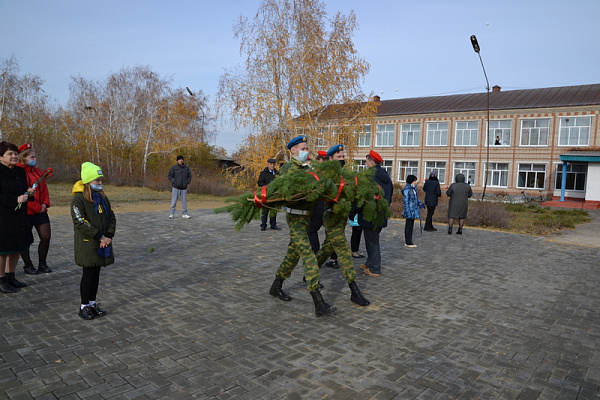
pixel 335 149
pixel 295 141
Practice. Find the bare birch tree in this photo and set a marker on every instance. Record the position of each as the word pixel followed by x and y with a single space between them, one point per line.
pixel 301 75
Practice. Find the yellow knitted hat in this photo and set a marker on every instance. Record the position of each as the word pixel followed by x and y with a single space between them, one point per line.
pixel 90 172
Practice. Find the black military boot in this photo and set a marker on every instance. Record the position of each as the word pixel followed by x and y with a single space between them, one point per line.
pixel 30 269
pixel 356 296
pixel 6 287
pixel 277 291
pixel 12 281
pixel 321 308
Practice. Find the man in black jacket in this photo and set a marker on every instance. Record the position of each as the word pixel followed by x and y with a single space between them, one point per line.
pixel 265 177
pixel 180 177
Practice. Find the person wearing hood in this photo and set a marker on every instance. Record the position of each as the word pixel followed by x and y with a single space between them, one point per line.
pixel 432 192
pixel 412 211
pixel 94 226
pixel 372 265
pixel 37 210
pixel 459 193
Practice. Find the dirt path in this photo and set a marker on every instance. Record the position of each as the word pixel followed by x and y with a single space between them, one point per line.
pixel 145 206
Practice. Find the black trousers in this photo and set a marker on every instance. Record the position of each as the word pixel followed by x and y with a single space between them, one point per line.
pixel 408 231
pixel 263 218
pixel 355 238
pixel 429 218
pixel 88 287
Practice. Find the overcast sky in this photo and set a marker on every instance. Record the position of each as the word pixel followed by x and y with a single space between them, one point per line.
pixel 415 48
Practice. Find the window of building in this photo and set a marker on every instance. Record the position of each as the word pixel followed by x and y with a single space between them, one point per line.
pixel 532 176
pixel 407 168
pixel 534 132
pixel 498 175
pixel 364 137
pixel 440 166
pixel 576 174
pixel 574 131
pixel 467 169
pixel 388 165
pixel 500 132
pixel 437 134
pixel 466 133
pixel 409 134
pixel 359 165
pixel 385 135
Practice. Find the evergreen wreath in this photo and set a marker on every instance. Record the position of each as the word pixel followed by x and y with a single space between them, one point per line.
pixel 298 188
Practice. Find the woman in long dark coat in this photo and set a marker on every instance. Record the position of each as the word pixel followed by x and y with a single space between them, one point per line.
pixel 15 232
pixel 459 193
pixel 432 192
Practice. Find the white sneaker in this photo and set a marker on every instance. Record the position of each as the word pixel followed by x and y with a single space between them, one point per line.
pixel 186 216
pixel 170 216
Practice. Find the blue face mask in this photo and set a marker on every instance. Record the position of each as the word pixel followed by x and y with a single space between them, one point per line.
pixel 96 188
pixel 31 163
pixel 302 156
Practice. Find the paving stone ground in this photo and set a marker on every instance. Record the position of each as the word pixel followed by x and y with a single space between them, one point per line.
pixel 485 315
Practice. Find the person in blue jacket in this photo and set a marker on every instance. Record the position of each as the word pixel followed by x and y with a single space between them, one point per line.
pixel 410 201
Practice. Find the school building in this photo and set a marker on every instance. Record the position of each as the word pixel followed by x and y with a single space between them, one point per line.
pixel 542 142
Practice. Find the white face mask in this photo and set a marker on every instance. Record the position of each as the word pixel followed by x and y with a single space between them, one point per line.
pixel 302 156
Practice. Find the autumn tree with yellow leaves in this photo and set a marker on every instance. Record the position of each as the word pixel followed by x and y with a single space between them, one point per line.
pixel 301 75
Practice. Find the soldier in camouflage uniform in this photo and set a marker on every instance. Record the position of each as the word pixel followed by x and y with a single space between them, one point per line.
pixel 335 240
pixel 298 220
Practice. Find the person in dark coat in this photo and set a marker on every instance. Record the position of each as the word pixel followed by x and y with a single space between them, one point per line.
pixel 266 176
pixel 180 177
pixel 372 265
pixel 94 226
pixel 459 193
pixel 432 192
pixel 15 231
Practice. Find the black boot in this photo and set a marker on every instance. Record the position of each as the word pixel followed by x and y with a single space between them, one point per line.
pixel 30 269
pixel 356 296
pixel 321 308
pixel 12 281
pixel 5 287
pixel 276 290
pixel 43 267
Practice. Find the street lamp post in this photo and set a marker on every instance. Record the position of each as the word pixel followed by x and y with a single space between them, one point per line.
pixel 199 107
pixel 487 163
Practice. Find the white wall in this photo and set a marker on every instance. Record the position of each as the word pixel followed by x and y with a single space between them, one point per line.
pixel 592 192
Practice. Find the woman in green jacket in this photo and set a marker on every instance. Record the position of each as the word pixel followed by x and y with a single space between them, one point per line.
pixel 94 224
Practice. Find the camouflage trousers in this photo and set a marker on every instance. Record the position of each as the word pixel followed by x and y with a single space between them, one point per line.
pixel 299 247
pixel 335 241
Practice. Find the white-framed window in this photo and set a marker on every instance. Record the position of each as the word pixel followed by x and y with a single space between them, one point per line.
pixel 407 168
pixel 388 165
pixel 437 134
pixel 364 137
pixel 574 131
pixel 534 132
pixel 467 169
pixel 385 135
pixel 500 132
pixel 498 175
pixel 440 166
pixel 576 175
pixel 466 133
pixel 359 165
pixel 532 176
pixel 410 134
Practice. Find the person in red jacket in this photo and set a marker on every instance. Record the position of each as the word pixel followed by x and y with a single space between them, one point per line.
pixel 36 210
